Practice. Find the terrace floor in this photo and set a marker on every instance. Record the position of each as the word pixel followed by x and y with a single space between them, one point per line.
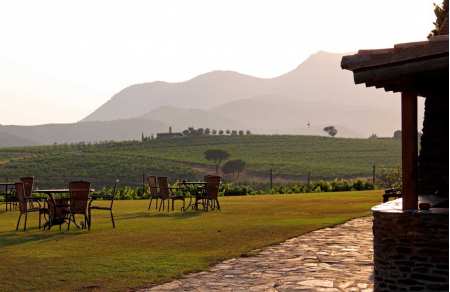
pixel 329 259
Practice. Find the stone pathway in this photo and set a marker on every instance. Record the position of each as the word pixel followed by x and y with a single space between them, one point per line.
pixel 329 259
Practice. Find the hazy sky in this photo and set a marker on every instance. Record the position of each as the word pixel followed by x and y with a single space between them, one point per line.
pixel 60 60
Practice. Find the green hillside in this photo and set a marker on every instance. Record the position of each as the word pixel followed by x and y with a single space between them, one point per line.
pixel 291 157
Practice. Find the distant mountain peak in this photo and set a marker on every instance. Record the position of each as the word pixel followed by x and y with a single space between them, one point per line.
pixel 222 75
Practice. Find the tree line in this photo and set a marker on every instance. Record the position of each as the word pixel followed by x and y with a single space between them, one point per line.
pixel 191 131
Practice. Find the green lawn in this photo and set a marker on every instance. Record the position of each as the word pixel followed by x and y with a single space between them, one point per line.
pixel 151 247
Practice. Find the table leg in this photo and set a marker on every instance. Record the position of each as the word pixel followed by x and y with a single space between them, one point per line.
pixel 189 204
pixel 6 198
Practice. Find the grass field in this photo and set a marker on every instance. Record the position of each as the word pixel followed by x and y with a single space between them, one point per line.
pixel 289 156
pixel 150 247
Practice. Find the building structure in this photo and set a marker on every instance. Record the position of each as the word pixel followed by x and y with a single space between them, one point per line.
pixel 411 234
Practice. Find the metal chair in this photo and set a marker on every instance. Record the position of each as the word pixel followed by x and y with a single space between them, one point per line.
pixel 79 196
pixel 167 194
pixel 28 190
pixel 153 189
pixel 28 185
pixel 109 208
pixel 24 205
pixel 211 195
pixel 28 182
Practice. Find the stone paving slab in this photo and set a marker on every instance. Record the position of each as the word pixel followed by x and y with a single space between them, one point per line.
pixel 329 259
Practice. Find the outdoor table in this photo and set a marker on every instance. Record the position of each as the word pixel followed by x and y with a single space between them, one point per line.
pixel 199 186
pixel 61 205
pixel 54 191
pixel 7 186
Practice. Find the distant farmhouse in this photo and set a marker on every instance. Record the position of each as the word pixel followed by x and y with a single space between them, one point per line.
pixel 168 135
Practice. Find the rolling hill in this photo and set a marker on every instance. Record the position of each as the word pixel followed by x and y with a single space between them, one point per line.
pixel 181 118
pixel 290 157
pixel 10 140
pixel 127 129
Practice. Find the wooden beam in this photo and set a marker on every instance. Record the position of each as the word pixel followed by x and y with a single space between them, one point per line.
pixel 409 150
pixel 401 53
pixel 405 71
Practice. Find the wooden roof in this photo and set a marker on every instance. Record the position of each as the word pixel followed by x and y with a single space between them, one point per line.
pixel 405 67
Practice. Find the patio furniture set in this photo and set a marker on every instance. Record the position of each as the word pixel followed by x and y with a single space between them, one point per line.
pixel 61 206
pixel 204 193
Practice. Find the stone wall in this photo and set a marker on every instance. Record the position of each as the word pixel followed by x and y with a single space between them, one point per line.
pixel 411 250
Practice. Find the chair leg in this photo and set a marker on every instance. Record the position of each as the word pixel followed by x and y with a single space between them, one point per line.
pixel 156 204
pixel 89 219
pixel 112 219
pixel 173 205
pixel 150 204
pixel 160 204
pixel 48 224
pixel 18 221
pixel 218 205
pixel 68 224
pixel 25 225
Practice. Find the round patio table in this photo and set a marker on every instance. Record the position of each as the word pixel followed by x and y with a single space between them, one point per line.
pixel 7 194
pixel 58 208
pixel 199 186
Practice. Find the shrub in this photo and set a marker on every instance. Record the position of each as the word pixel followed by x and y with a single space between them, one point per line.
pixel 244 189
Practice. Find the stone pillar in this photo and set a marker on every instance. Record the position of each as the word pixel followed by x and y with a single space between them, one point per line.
pixel 410 250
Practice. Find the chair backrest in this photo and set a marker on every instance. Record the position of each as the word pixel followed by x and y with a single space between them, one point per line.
pixel 79 195
pixel 20 196
pixel 163 183
pixel 28 185
pixel 152 184
pixel 212 186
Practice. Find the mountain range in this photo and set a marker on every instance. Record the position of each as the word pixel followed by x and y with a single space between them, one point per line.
pixel 315 94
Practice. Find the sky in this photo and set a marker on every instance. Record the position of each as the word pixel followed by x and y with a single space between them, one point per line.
pixel 60 60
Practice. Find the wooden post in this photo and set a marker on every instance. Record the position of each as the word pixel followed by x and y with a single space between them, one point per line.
pixel 271 180
pixel 409 150
pixel 309 182
pixel 143 183
pixel 373 174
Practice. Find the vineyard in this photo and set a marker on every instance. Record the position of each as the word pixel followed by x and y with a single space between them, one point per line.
pixel 290 157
